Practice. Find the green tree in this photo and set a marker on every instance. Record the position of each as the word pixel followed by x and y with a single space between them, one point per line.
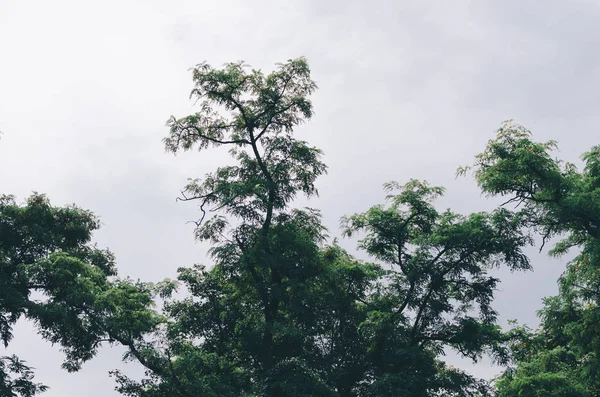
pixel 283 313
pixel 557 200
pixel 436 291
pixel 51 275
pixel 251 308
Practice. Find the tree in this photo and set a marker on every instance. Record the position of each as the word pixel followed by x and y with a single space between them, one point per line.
pixel 51 275
pixel 557 200
pixel 283 313
pixel 246 308
pixel 436 276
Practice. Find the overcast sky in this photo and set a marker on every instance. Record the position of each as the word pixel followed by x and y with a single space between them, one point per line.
pixel 408 89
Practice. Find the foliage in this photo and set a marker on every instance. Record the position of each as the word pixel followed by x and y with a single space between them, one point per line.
pixel 558 200
pixel 23 384
pixel 51 275
pixel 435 292
pixel 281 312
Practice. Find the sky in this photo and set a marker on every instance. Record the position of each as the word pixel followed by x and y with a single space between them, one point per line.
pixel 407 89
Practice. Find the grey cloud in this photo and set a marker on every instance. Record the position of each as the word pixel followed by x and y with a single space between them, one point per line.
pixel 407 89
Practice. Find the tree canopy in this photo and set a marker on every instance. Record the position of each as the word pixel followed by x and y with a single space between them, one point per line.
pixel 51 275
pixel 557 200
pixel 282 310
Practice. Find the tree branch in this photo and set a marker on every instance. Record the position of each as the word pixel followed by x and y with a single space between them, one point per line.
pixel 219 141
